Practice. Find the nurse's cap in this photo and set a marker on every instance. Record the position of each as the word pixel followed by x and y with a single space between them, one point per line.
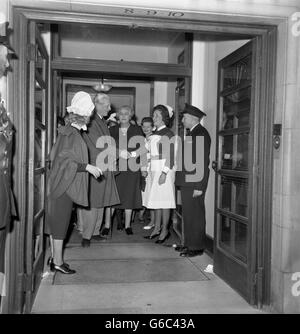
pixel 189 109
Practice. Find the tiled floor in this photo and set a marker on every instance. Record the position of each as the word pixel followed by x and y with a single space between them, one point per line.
pixel 140 277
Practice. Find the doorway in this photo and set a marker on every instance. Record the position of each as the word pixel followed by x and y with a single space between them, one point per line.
pixel 23 17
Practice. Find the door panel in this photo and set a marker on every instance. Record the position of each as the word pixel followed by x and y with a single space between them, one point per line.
pixel 38 150
pixel 233 244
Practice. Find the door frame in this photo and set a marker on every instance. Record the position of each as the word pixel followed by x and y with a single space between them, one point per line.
pixel 18 101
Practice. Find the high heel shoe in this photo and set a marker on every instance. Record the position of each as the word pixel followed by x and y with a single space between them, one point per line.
pixel 160 241
pixel 63 268
pixel 151 236
pixel 128 230
pixel 50 263
pixel 105 232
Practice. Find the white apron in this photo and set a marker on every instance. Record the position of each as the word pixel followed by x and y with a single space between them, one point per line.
pixel 159 196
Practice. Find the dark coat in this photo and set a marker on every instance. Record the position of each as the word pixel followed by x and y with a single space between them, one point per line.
pixel 181 175
pixel 69 151
pixel 7 208
pixel 128 181
pixel 102 191
pixel 193 208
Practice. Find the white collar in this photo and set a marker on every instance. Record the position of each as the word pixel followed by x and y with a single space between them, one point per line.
pixel 83 127
pixel 192 128
pixel 101 117
pixel 161 127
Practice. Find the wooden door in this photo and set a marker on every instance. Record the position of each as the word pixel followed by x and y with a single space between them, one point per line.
pixel 234 239
pixel 38 130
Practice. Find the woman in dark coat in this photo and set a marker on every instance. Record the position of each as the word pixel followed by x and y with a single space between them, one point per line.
pixel 128 181
pixel 68 179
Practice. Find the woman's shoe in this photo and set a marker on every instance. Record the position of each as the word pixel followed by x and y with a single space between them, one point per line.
pixel 160 241
pixel 63 269
pixel 149 226
pixel 105 231
pixel 50 262
pixel 152 236
pixel 128 230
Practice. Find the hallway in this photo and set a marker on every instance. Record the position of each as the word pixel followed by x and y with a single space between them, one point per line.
pixel 120 277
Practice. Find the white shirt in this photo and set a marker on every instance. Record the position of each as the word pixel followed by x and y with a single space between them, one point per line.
pixel 192 128
pixel 75 125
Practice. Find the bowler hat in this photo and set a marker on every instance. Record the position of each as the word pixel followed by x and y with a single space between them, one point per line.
pixel 189 109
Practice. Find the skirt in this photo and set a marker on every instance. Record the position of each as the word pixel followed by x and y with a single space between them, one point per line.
pixel 160 196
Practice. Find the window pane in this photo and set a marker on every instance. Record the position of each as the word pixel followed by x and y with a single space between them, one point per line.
pixel 241 240
pixel 238 73
pixel 236 108
pixel 38 198
pixel 227 162
pixel 234 195
pixel 225 231
pixel 241 158
pixel 39 104
pixel 40 65
pixel 38 148
pixel 241 206
pixel 37 236
pixel 226 193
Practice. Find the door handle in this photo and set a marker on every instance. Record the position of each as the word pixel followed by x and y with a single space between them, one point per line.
pixel 214 166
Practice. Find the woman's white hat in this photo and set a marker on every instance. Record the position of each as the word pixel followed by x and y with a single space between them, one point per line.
pixel 170 110
pixel 81 104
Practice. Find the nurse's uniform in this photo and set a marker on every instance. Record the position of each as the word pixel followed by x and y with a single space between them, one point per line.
pixel 160 196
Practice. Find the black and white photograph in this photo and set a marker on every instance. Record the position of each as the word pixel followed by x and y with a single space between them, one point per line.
pixel 149 160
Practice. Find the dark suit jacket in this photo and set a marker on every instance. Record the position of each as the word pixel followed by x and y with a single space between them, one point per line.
pixel 102 191
pixel 181 175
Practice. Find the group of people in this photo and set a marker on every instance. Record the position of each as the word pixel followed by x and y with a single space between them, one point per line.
pixel 122 168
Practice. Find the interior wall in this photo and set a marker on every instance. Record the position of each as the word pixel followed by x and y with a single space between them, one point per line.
pixel 95 49
pixel 206 56
pixel 143 97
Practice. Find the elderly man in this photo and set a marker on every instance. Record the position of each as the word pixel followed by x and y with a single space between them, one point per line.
pixel 192 180
pixel 103 191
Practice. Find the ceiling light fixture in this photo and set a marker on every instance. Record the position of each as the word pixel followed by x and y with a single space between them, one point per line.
pixel 102 87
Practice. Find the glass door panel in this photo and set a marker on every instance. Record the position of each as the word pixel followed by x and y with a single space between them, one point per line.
pixel 232 238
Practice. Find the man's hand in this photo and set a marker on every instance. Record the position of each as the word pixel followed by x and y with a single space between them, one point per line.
pixel 95 171
pixel 197 193
pixel 162 178
pixel 144 174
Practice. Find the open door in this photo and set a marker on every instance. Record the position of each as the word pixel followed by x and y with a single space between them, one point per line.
pixel 38 60
pixel 234 239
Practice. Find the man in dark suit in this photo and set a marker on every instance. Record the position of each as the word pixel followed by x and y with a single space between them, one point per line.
pixel 192 178
pixel 103 191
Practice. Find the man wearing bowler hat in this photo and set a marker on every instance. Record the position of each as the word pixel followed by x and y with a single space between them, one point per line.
pixel 192 178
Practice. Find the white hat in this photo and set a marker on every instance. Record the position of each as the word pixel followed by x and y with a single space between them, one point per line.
pixel 81 104
pixel 170 110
